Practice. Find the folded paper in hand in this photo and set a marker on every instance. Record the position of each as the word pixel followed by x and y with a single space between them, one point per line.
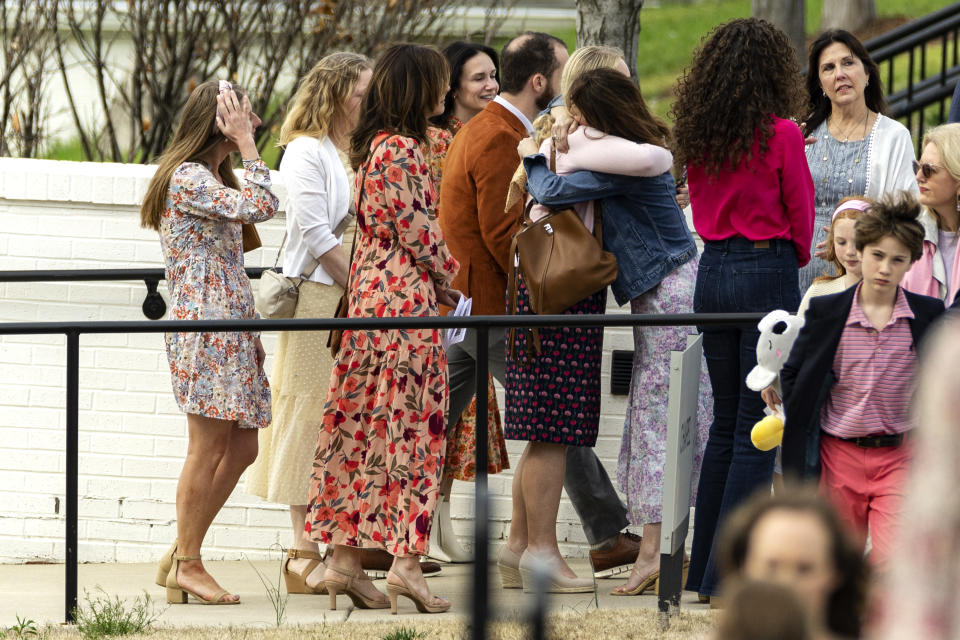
pixel 455 335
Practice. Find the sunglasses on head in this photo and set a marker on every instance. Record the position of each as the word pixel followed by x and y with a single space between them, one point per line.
pixel 929 170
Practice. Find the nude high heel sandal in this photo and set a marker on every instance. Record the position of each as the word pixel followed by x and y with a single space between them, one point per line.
pixel 556 582
pixel 395 591
pixel 178 595
pixel 335 587
pixel 297 582
pixel 163 567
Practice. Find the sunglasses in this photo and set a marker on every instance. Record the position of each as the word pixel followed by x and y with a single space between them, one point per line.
pixel 929 170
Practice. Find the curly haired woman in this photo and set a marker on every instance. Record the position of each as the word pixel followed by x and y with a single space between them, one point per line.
pixel 752 199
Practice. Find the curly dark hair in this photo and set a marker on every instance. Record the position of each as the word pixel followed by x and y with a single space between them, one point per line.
pixel 819 105
pixel 744 73
pixel 846 604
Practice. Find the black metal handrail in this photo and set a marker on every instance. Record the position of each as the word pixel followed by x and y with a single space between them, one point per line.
pixel 154 306
pixel 481 324
pixel 910 42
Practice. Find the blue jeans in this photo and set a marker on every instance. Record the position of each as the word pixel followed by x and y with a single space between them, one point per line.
pixel 735 275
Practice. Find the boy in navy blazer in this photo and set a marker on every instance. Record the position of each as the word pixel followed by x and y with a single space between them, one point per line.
pixel 849 378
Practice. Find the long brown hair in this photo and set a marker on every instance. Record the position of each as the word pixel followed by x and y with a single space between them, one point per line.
pixel 318 105
pixel 745 73
pixel 408 80
pixel 194 137
pixel 612 103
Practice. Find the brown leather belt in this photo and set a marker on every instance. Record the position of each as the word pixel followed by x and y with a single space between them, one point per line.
pixel 873 442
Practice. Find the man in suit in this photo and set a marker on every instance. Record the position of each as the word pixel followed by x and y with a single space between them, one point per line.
pixel 477 172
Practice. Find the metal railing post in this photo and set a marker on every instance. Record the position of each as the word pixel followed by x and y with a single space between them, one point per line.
pixel 71 496
pixel 481 524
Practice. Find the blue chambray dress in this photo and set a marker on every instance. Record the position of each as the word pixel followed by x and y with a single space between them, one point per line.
pixel 836 174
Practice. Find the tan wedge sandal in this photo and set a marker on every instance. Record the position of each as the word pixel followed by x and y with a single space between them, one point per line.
pixel 177 594
pixel 335 587
pixel 163 567
pixel 395 591
pixel 297 582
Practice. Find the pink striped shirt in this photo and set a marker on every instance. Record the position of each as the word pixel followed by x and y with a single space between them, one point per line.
pixel 874 370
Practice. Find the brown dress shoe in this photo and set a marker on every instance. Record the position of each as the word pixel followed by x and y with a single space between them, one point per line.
pixel 379 561
pixel 616 559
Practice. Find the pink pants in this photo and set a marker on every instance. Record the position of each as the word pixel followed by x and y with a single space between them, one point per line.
pixel 866 487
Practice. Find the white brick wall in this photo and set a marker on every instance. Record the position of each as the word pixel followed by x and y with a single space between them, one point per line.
pixel 66 215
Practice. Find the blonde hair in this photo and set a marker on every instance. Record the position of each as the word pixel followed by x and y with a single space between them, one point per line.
pixel 946 138
pixel 583 59
pixel 587 59
pixel 318 105
pixel 194 137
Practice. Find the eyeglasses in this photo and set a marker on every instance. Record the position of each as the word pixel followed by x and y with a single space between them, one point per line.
pixel 929 170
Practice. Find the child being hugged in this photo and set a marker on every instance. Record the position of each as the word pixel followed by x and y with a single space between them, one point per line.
pixel 849 377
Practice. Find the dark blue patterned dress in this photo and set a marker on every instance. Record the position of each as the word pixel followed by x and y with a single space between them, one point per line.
pixel 555 396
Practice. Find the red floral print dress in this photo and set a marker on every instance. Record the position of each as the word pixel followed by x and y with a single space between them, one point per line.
pixel 462 438
pixel 380 452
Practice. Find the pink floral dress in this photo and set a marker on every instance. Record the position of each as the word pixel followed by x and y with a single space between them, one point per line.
pixel 214 374
pixel 381 446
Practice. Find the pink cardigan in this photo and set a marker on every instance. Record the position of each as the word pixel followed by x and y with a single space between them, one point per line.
pixel 921 277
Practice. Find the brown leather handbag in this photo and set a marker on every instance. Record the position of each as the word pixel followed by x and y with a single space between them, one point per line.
pixel 560 260
pixel 251 238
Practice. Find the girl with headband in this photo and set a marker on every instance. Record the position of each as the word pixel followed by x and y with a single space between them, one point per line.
pixel 842 253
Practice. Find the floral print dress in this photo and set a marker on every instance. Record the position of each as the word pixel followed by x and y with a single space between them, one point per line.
pixel 214 374
pixel 462 437
pixel 381 447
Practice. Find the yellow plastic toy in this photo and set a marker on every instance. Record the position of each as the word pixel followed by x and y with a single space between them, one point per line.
pixel 768 433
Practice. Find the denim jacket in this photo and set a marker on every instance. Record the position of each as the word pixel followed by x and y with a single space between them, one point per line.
pixel 642 224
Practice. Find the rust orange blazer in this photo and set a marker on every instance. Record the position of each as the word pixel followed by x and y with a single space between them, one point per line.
pixel 477 171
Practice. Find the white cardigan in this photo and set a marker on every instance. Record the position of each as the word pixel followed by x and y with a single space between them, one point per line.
pixel 890 159
pixel 318 200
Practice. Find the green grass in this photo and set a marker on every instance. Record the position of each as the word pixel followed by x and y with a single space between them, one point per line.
pixel 105 616
pixel 670 33
pixel 668 37
pixel 67 149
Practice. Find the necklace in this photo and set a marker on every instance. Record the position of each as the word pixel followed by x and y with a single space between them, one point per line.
pixel 846 136
pixel 828 148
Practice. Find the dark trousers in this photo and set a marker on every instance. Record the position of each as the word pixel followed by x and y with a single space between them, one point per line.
pixel 735 275
pixel 601 512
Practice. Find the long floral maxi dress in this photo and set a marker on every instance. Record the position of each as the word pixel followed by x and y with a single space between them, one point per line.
pixel 214 374
pixel 643 449
pixel 380 451
pixel 461 455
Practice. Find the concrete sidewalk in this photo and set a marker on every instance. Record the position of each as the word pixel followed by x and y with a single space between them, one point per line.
pixel 36 591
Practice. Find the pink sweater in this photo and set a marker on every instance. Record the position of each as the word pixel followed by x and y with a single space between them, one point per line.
pixel 771 196
pixel 593 150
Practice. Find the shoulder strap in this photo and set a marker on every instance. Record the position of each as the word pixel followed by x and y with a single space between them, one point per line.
pixel 280 250
pixel 356 223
